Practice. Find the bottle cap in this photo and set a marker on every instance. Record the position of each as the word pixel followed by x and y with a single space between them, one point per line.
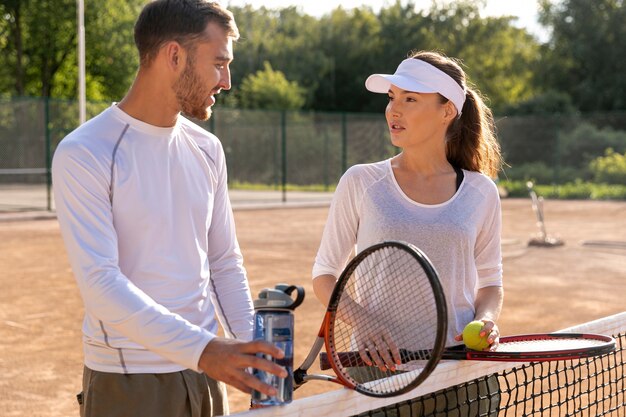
pixel 279 298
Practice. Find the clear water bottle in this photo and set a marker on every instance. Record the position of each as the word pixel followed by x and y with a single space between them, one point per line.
pixel 274 323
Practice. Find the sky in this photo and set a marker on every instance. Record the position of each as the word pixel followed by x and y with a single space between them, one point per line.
pixel 525 10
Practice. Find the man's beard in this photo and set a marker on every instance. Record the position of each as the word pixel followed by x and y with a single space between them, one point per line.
pixel 191 93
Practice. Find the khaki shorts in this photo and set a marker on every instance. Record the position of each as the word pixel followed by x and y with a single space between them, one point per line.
pixel 177 394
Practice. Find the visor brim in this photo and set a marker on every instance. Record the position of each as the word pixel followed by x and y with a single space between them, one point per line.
pixel 380 83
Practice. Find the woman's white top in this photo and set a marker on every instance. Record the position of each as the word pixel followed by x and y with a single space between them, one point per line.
pixel 460 236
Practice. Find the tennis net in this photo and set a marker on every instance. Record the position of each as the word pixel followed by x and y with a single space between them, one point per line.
pixel 582 387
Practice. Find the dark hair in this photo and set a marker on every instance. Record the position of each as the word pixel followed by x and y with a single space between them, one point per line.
pixel 471 141
pixel 183 21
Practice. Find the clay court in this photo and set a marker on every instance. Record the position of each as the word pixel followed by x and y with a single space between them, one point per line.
pixel 546 289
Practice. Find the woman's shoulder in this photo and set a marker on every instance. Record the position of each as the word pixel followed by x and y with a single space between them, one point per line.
pixel 375 170
pixel 483 183
pixel 360 177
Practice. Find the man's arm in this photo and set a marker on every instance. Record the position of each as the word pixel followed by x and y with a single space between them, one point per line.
pixel 81 190
pixel 230 292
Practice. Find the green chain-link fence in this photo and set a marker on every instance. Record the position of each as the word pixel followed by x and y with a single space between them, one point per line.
pixel 300 150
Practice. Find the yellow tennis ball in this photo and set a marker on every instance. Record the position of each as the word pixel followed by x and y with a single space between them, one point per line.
pixel 471 336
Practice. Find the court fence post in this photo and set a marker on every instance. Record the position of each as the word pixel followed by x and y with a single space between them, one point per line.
pixel 344 143
pixel 48 153
pixel 283 128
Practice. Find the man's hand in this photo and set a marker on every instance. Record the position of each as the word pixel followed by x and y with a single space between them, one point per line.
pixel 227 360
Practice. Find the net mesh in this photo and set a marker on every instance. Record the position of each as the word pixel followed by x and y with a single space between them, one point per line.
pixel 586 387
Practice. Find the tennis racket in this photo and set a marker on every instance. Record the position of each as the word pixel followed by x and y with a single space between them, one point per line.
pixel 388 296
pixel 520 348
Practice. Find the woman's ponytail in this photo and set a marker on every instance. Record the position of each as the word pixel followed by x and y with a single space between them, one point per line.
pixel 471 141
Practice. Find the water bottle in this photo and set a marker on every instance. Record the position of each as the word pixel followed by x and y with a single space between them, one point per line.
pixel 274 323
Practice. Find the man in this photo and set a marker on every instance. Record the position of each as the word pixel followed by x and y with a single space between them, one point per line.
pixel 142 201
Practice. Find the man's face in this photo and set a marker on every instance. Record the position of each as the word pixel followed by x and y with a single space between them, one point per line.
pixel 206 73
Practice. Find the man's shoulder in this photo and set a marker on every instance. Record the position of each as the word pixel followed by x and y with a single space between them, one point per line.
pixel 198 133
pixel 97 135
pixel 205 140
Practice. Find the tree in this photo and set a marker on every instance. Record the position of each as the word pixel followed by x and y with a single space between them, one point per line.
pixel 39 47
pixel 350 41
pixel 37 38
pixel 270 89
pixel 585 55
pixel 498 57
pixel 285 38
pixel 550 102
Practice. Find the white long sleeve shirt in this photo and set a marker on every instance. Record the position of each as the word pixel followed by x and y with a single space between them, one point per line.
pixel 149 232
pixel 460 236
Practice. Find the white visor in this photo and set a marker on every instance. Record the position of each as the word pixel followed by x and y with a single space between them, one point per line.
pixel 421 77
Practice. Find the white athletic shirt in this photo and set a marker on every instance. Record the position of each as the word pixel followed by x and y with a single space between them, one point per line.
pixel 149 232
pixel 460 236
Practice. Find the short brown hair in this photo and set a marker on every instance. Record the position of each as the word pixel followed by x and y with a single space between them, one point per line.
pixel 183 21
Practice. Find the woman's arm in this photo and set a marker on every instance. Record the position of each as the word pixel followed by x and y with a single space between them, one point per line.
pixel 488 306
pixel 489 303
pixel 323 286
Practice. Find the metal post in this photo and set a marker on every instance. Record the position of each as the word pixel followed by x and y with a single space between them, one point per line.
pixel 283 127
pixel 82 100
pixel 344 143
pixel 325 160
pixel 48 154
pixel 212 122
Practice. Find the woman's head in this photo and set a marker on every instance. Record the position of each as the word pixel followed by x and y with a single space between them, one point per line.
pixel 470 137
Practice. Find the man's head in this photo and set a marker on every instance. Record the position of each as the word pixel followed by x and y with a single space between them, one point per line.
pixel 191 40
pixel 183 21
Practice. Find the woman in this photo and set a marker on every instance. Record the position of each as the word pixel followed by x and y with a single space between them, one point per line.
pixel 436 194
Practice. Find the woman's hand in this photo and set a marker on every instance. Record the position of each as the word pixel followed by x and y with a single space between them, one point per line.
pixel 490 331
pixel 376 347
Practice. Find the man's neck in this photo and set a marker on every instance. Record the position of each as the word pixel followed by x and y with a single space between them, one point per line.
pixel 150 101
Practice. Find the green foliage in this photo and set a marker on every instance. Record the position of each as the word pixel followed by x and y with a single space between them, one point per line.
pixel 331 57
pixel 286 39
pixel 37 37
pixel 558 148
pixel 585 55
pixel 550 102
pixel 38 46
pixel 541 172
pixel 270 89
pixel 610 168
pixel 111 58
pixel 577 190
pixel 585 142
pixel 537 171
pixel 498 57
pixel 581 67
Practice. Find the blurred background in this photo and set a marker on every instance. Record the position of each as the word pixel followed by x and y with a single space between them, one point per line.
pixel 298 114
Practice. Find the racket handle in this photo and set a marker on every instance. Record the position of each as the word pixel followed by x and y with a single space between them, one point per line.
pixel 352 359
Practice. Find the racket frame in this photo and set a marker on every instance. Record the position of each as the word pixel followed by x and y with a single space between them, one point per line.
pixel 326 329
pixel 460 352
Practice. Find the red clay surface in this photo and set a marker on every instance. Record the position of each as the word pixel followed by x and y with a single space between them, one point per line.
pixel 40 309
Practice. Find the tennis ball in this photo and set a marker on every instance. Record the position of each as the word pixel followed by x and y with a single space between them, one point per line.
pixel 471 336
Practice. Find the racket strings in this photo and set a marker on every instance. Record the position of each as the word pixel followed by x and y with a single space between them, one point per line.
pixel 387 302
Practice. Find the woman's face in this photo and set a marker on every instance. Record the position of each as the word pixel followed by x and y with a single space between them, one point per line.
pixel 416 118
